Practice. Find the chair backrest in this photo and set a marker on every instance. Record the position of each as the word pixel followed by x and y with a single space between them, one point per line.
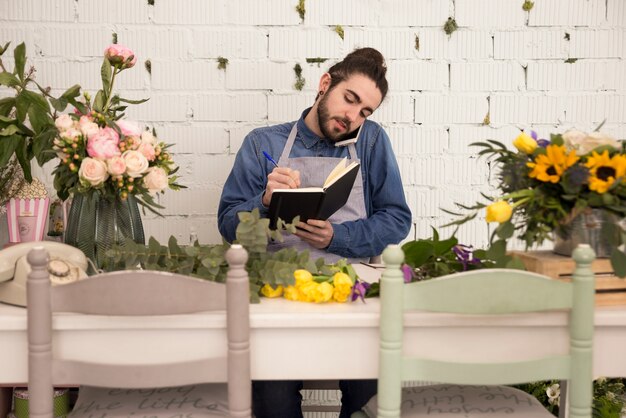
pixel 132 293
pixel 486 292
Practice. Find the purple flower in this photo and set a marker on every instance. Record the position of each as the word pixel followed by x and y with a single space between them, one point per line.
pixel 534 135
pixel 464 255
pixel 543 143
pixel 359 289
pixel 408 273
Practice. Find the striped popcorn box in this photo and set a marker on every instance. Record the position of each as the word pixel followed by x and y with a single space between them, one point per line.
pixel 27 219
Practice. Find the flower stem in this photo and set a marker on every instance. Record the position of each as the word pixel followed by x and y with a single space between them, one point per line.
pixel 110 92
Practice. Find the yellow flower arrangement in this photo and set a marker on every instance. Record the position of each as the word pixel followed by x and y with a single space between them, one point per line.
pixel 546 184
pixel 309 288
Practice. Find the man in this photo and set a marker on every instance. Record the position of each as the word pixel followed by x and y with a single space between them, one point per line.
pixel 375 215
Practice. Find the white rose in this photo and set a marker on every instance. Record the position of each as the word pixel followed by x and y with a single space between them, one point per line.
pixel 156 180
pixel 88 128
pixel 136 163
pixel 93 171
pixel 116 166
pixel 64 122
pixel 148 138
pixel 584 143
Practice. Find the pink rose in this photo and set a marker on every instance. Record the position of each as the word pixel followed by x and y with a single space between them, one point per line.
pixel 129 128
pixel 147 151
pixel 72 134
pixel 119 55
pixel 136 163
pixel 156 180
pixel 93 171
pixel 148 138
pixel 103 144
pixel 116 166
pixel 64 122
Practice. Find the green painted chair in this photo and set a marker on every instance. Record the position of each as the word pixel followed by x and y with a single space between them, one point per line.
pixel 481 292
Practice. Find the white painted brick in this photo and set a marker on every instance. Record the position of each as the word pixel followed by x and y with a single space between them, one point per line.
pixel 37 10
pixel 461 136
pixel 16 34
pixel 616 108
pixel 490 76
pixel 74 41
pixel 312 73
pixel 392 43
pixel 616 12
pixel 439 109
pixel 535 44
pixel 288 107
pixel 156 41
pixel 414 12
pixel 196 75
pixel 581 75
pixel 238 134
pixel 587 108
pixel 191 12
pixel 408 140
pixel 230 108
pixel 592 43
pixel 489 13
pixel 417 75
pixel 162 228
pixel 517 108
pixel 113 11
pixel 261 75
pixel 191 202
pixel 293 43
pixel 463 44
pixel 161 108
pixel 64 74
pixel 441 171
pixel 250 43
pixel 567 13
pixel 254 12
pixel 396 108
pixel 210 170
pixel 344 13
pixel 195 139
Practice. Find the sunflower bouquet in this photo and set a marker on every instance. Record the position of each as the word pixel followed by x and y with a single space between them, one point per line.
pixel 546 184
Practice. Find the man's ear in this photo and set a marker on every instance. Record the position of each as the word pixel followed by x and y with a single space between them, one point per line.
pixel 324 82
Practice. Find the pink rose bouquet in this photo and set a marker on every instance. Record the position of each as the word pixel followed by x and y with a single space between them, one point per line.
pixel 101 153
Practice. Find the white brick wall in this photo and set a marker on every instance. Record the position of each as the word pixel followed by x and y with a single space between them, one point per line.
pixel 502 62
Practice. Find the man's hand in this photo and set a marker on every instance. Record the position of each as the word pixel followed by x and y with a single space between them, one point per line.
pixel 316 233
pixel 280 178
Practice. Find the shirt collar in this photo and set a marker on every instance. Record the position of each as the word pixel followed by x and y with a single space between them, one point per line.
pixel 306 135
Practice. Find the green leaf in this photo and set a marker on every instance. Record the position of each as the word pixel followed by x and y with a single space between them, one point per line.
pixel 618 261
pixel 58 104
pixel 72 92
pixel 505 230
pixel 19 54
pixel 106 74
pixel 139 101
pixel 8 79
pixel 37 119
pixel 23 156
pixel 21 106
pixel 416 253
pixel 6 105
pixel 99 100
pixel 9 130
pixel 4 48
pixel 42 144
pixel 7 148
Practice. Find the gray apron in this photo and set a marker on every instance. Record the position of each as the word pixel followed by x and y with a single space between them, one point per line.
pixel 313 172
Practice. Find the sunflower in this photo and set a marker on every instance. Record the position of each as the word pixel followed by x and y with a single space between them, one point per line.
pixel 550 166
pixel 605 170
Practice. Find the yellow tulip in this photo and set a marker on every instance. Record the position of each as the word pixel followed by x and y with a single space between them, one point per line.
pixel 269 292
pixel 499 211
pixel 307 291
pixel 291 293
pixel 343 287
pixel 525 143
pixel 323 292
pixel 302 276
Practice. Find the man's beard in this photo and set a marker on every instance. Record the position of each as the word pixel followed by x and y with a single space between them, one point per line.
pixel 324 120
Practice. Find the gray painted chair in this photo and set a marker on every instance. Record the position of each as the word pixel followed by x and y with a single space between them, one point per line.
pixel 129 293
pixel 482 292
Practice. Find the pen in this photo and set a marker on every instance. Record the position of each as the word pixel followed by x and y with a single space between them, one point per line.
pixel 270 159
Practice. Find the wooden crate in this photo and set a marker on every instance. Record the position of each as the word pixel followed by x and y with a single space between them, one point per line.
pixel 610 289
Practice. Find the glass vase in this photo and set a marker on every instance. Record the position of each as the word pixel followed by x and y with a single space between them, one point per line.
pixel 95 224
pixel 597 227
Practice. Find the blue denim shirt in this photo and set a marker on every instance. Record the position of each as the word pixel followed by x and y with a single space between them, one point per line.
pixel 388 216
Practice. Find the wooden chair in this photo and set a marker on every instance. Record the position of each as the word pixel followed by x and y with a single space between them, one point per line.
pixel 482 292
pixel 130 293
